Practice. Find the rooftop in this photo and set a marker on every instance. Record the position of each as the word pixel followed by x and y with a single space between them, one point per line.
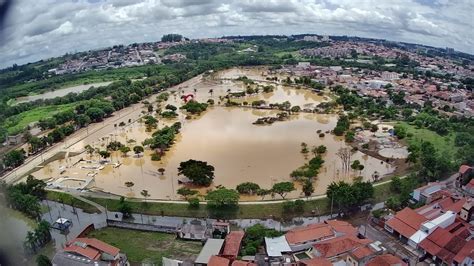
pixel 406 222
pixel 232 243
pixel 218 261
pixel 276 245
pixel 339 245
pixel 211 248
pixel 386 260
pixel 90 248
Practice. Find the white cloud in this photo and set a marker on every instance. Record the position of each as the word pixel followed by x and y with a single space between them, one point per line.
pixel 44 28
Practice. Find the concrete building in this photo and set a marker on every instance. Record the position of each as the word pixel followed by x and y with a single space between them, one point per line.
pixel 211 248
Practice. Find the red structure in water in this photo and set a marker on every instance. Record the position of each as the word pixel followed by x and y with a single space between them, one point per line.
pixel 186 97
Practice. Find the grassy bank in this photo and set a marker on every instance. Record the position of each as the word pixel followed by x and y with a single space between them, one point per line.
pixel 256 211
pixel 147 246
pixel 70 200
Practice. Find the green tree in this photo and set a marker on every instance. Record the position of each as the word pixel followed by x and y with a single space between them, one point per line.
pixel 137 150
pixel 247 188
pixel 125 208
pixel 222 197
pixel 104 154
pixel 193 203
pixel 14 158
pixel 319 150
pixel 199 172
pixel 396 184
pixel 263 192
pixel 43 260
pixel 283 188
pixel 124 150
pixel 186 192
pixel 308 188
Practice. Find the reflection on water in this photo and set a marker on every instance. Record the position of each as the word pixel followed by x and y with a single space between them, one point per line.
pixel 14 227
pixel 226 138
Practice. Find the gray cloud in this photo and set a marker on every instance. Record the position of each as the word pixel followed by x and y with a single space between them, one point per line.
pixel 44 28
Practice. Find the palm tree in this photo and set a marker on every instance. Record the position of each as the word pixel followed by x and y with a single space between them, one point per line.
pixel 30 241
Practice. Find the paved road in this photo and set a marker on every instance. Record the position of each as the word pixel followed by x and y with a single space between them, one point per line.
pixel 391 243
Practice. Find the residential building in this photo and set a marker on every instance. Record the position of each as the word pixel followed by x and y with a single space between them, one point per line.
pixel 15 139
pixel 446 247
pixel 424 194
pixel 218 261
pixel 243 263
pixel 89 251
pixel 276 246
pixel 232 244
pixel 386 260
pixel 467 212
pixel 315 262
pixel 405 223
pixel 469 187
pixel 305 237
pixel 211 248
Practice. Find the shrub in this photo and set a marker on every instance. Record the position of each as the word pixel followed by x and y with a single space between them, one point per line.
pixel 193 203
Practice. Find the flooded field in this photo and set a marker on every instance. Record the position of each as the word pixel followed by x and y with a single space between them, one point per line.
pixel 222 136
pixel 61 92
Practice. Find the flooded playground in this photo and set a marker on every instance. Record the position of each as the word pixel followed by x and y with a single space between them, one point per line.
pixel 225 137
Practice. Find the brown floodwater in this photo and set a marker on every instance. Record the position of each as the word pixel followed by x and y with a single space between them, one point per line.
pixel 225 138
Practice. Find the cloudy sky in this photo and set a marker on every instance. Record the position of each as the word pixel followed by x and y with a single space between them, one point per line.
pixel 37 29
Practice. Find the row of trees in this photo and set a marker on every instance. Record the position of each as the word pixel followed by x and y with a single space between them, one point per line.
pixel 349 196
pixel 26 196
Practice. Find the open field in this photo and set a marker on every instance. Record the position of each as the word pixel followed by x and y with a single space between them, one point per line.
pixel 443 144
pixel 147 246
pixel 18 122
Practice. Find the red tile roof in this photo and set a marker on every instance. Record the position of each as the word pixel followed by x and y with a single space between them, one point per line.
pixel 218 261
pixel 467 250
pixel 464 168
pixel 87 252
pixel 435 242
pixel 99 245
pixel 339 245
pixel 386 260
pixel 319 231
pixel 90 247
pixel 470 184
pixel 309 233
pixel 316 262
pixel 406 222
pixel 362 252
pixel 243 263
pixel 233 242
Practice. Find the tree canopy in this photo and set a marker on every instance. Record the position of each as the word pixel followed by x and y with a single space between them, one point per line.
pixel 199 172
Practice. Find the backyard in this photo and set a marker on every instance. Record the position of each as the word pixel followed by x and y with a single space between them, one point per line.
pixel 147 246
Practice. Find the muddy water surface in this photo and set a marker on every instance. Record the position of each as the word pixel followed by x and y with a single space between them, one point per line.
pixel 224 137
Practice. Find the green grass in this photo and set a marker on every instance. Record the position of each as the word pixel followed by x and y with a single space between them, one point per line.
pixel 249 211
pixel 382 192
pixel 70 200
pixel 148 246
pixel 443 144
pixel 17 123
pixel 255 211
